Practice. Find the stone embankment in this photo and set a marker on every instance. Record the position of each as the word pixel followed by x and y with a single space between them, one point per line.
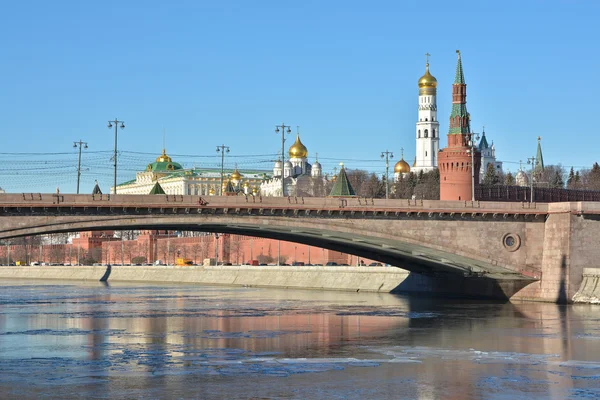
pixel 589 292
pixel 369 279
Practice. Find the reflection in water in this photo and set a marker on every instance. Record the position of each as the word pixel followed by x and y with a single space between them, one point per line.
pixel 205 342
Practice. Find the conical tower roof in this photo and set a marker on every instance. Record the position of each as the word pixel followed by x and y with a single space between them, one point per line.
pixel 157 189
pixel 459 78
pixel 539 159
pixel 483 143
pixel 342 186
pixel 229 189
pixel 96 189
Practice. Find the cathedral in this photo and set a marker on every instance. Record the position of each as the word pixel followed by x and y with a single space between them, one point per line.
pixel 300 178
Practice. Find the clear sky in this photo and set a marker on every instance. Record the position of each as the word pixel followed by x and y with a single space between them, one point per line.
pixel 226 72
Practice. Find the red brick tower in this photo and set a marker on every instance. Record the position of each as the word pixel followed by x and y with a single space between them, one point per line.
pixel 455 162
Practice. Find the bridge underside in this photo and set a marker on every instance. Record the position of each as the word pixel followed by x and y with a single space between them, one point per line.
pixel 393 251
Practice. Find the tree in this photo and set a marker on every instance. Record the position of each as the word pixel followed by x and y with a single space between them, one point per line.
pixel 509 179
pixel 490 178
pixel 571 179
pixel 593 178
pixel 557 180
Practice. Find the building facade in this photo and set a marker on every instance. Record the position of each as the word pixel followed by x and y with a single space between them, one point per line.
pixel 488 157
pixel 174 179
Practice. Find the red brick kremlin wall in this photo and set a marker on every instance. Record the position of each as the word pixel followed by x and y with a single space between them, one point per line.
pixel 235 249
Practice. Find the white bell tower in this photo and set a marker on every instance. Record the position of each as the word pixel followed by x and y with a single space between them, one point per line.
pixel 428 127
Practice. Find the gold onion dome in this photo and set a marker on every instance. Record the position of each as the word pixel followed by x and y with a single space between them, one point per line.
pixel 427 80
pixel 236 176
pixel 402 167
pixel 163 157
pixel 298 150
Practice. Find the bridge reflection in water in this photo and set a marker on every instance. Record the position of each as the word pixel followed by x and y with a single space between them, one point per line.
pixel 199 340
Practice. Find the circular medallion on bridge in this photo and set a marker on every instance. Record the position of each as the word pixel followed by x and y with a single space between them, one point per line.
pixel 511 241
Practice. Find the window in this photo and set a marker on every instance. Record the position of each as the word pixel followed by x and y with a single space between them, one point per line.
pixel 433 133
pixel 419 133
pixel 425 154
pixel 426 133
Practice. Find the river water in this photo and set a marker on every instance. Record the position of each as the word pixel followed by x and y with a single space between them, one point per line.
pixel 178 341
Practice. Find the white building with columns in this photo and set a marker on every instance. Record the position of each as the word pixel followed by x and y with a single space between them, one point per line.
pixel 174 179
pixel 428 127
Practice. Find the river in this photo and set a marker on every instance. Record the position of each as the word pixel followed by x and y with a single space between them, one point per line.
pixel 117 341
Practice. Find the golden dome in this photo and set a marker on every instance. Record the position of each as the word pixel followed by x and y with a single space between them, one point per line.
pixel 163 157
pixel 402 167
pixel 211 191
pixel 427 80
pixel 236 176
pixel 298 150
pixel 246 184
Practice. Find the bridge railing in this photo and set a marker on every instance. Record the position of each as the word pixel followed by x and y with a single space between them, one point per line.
pixel 351 203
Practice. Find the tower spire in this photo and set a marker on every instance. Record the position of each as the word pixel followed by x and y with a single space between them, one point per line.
pixel 459 78
pixel 539 159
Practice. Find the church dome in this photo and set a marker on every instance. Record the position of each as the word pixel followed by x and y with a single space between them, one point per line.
pixel 298 150
pixel 163 157
pixel 236 176
pixel 521 178
pixel 288 165
pixel 427 80
pixel 402 167
pixel 163 163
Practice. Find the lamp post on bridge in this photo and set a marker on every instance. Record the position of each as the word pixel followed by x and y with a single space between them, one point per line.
pixel 222 149
pixel 110 125
pixel 387 155
pixel 532 161
pixel 283 131
pixel 471 142
pixel 85 146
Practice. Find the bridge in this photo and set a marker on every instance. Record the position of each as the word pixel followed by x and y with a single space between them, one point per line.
pixel 529 250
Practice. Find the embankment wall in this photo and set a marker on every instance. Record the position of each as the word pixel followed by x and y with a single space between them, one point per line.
pixel 370 279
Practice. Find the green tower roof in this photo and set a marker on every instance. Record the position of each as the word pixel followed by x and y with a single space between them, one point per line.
pixel 342 186
pixel 483 144
pixel 229 187
pixel 157 189
pixel 539 159
pixel 96 189
pixel 459 78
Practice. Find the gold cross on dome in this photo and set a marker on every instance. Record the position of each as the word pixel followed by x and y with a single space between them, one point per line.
pixel 427 57
pixel 402 152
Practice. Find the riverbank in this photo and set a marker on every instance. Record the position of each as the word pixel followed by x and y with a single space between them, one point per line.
pixel 367 279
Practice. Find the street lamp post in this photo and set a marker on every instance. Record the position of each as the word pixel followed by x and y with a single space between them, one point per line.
pixel 85 146
pixel 387 155
pixel 110 125
pixel 531 160
pixel 222 149
pixel 283 131
pixel 472 146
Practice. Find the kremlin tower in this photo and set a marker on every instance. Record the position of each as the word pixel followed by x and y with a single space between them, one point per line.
pixel 459 168
pixel 428 127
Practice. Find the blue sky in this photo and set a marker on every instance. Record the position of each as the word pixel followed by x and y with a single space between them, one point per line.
pixel 346 72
